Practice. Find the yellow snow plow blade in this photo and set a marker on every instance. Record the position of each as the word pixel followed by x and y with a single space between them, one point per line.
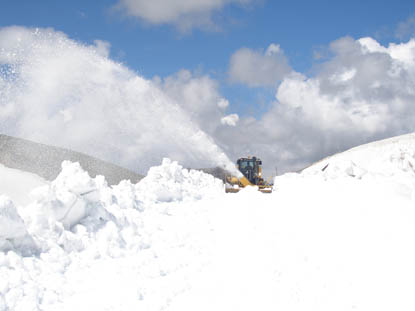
pixel 267 189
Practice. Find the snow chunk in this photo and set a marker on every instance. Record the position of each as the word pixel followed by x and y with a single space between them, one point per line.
pixel 71 197
pixel 13 233
pixel 125 196
pixel 171 182
pixel 11 225
pixel 76 180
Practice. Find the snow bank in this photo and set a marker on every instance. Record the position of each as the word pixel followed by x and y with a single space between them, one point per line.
pixel 82 240
pixel 170 182
pixel 386 158
pixel 385 163
pixel 74 200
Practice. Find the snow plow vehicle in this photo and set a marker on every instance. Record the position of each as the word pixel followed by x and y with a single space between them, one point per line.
pixel 251 175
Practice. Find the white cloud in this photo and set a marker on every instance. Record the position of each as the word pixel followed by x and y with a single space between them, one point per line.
pixel 343 77
pixel 364 92
pixel 256 68
pixel 230 120
pixel 223 103
pixel 57 91
pixel 184 14
pixel 197 95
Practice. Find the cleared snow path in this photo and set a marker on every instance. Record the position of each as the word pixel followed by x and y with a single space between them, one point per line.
pixel 238 276
pixel 314 245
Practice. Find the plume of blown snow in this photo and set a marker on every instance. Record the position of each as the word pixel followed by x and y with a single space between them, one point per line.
pixel 61 92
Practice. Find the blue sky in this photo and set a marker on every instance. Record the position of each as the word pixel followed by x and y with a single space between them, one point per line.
pixel 299 27
pixel 290 82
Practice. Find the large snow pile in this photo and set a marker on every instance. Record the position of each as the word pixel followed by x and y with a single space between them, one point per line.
pixel 90 246
pixel 388 158
pixel 387 163
pixel 169 182
pixel 334 239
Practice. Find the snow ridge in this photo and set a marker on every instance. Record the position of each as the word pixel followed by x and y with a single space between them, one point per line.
pixel 77 223
pixel 386 157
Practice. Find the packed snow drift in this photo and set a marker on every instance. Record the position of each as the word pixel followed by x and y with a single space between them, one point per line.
pixel 335 237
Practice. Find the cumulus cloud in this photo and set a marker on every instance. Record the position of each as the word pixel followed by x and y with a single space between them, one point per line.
pixel 223 103
pixel 230 120
pixel 256 68
pixel 184 14
pixel 198 95
pixel 57 91
pixel 365 92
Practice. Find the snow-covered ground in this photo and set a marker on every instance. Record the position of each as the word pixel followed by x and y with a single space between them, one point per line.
pixel 334 239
